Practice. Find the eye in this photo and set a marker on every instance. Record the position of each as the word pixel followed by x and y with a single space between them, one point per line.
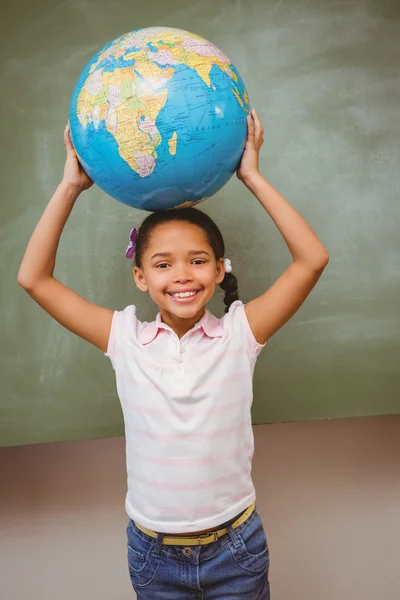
pixel 162 266
pixel 199 261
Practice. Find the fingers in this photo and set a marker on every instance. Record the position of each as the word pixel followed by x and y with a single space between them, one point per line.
pixel 258 128
pixel 67 140
pixel 250 128
pixel 256 118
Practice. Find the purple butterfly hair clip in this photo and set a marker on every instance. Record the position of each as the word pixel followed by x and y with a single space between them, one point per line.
pixel 130 251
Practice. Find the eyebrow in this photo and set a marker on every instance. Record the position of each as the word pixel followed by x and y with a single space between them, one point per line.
pixel 167 254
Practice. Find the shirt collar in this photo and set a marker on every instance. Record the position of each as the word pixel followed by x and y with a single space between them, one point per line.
pixel 208 323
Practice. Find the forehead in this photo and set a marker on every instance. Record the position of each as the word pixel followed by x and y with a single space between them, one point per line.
pixel 178 235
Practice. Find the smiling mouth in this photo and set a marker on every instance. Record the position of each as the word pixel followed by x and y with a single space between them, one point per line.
pixel 188 294
pixel 183 295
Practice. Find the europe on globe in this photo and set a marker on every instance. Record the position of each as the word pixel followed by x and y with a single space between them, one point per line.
pixel 158 118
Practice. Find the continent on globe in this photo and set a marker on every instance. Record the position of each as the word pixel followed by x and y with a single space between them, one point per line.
pixel 158 118
pixel 172 143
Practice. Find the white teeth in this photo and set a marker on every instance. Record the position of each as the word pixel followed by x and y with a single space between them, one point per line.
pixel 184 294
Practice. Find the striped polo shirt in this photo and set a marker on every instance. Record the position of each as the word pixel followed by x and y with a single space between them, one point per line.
pixel 186 405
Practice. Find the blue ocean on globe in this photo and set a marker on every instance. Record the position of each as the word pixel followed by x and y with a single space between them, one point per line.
pixel 158 118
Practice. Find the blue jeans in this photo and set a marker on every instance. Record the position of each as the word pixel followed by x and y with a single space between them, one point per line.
pixel 231 568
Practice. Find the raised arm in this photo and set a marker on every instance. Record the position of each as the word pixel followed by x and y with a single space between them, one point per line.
pixel 267 313
pixel 87 320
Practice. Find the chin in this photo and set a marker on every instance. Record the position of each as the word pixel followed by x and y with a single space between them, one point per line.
pixel 187 311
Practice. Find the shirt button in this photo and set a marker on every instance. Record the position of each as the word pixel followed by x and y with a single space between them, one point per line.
pixel 187 551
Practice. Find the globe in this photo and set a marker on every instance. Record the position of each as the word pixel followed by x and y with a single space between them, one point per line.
pixel 158 118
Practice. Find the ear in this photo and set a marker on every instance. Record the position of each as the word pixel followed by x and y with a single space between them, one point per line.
pixel 140 280
pixel 220 270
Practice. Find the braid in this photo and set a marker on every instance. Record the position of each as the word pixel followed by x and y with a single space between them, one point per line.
pixel 230 286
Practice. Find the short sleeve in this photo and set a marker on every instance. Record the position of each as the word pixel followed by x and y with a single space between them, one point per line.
pixel 236 320
pixel 124 328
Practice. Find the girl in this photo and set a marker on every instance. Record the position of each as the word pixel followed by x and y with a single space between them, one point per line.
pixel 185 383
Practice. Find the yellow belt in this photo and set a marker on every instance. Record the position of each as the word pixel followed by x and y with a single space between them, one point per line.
pixel 202 539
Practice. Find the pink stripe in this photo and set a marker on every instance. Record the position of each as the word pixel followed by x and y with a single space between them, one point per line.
pixel 188 410
pixel 190 462
pixel 196 512
pixel 190 487
pixel 202 354
pixel 223 382
pixel 188 437
pixel 216 383
pixel 128 380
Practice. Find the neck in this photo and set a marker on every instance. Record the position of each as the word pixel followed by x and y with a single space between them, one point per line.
pixel 181 325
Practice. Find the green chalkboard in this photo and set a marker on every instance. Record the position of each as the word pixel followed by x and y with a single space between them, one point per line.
pixel 324 76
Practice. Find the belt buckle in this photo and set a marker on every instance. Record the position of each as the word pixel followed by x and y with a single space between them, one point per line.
pixel 213 533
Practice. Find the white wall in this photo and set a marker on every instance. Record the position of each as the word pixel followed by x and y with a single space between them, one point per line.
pixel 328 492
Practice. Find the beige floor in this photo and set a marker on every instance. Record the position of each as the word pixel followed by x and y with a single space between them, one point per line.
pixel 328 492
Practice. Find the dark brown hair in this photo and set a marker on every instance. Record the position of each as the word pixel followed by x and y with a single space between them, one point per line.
pixel 195 217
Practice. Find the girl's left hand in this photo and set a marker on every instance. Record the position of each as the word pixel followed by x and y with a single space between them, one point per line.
pixel 255 138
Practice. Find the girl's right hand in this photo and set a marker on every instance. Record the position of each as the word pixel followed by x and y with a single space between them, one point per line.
pixel 74 175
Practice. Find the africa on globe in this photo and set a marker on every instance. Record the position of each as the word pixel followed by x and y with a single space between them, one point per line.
pixel 158 118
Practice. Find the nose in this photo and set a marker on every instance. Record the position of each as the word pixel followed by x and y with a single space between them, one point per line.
pixel 182 274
